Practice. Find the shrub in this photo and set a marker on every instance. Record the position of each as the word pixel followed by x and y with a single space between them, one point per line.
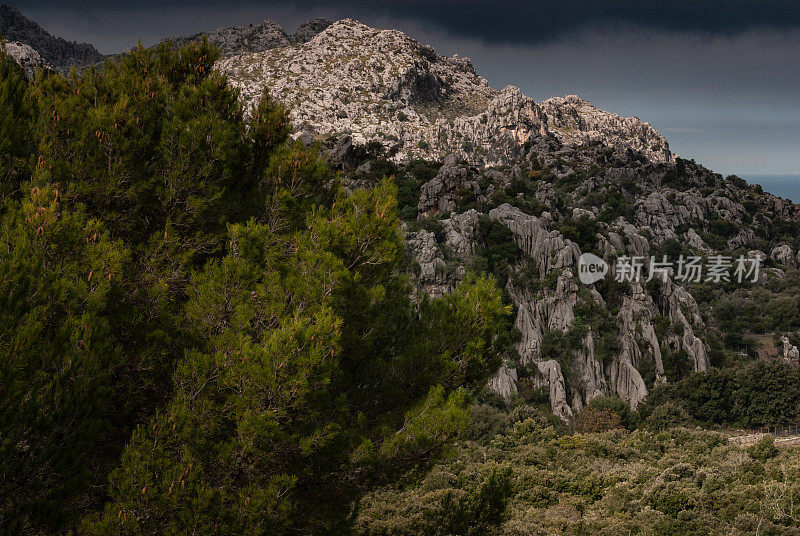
pixel 597 420
pixel 613 404
pixel 665 416
pixel 764 449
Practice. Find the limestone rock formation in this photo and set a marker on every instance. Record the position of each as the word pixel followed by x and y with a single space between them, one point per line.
pixel 790 352
pixel 784 255
pixel 27 57
pixel 562 176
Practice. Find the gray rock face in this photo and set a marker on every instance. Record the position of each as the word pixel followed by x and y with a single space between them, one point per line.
pixel 341 156
pixel 504 382
pixel 576 120
pixel 431 277
pixel 241 39
pixel 676 304
pixel 26 57
pixel 437 195
pixel 783 254
pixel 548 249
pixel 790 352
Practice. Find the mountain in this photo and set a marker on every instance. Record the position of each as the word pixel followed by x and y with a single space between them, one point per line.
pixel 408 315
pixel 58 53
pixel 559 178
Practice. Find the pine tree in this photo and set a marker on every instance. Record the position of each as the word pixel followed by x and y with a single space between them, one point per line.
pixel 271 429
pixel 59 274
pixel 16 120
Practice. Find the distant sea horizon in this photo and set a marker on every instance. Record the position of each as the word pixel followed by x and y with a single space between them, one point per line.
pixel 782 185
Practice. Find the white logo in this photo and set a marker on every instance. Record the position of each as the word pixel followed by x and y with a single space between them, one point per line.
pixel 591 268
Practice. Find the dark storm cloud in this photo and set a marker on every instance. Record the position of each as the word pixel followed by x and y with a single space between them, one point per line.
pixel 505 21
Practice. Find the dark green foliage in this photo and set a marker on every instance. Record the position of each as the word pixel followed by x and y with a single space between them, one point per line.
pixel 758 394
pixel 521 194
pixel 16 115
pixel 417 173
pixel 759 310
pixel 764 449
pixel 154 139
pixel 736 181
pixel 612 205
pixel 677 481
pixel 604 328
pixel 314 368
pixel 458 503
pixel 192 302
pixel 496 250
pixel 665 416
pixel 582 231
pixel 59 409
pixel 677 365
pixel 613 404
pixel 719 231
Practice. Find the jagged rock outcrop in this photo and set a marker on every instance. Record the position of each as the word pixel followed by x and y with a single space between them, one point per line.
pixel 547 248
pixel 26 57
pixel 59 54
pixel 504 382
pixel 676 303
pixel 790 352
pixel 560 175
pixel 577 121
pixel 437 196
pixel 430 270
pixel 784 255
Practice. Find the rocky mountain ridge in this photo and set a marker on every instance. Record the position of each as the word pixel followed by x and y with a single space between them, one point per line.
pixel 381 85
pixel 55 53
pixel 549 181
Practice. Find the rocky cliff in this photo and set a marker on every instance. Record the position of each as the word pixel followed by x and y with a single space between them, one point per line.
pixel 59 54
pixel 267 35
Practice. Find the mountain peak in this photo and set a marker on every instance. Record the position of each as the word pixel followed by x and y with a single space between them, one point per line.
pixel 57 52
pixel 382 85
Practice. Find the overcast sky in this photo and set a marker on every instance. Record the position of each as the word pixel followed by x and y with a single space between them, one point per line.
pixel 719 79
